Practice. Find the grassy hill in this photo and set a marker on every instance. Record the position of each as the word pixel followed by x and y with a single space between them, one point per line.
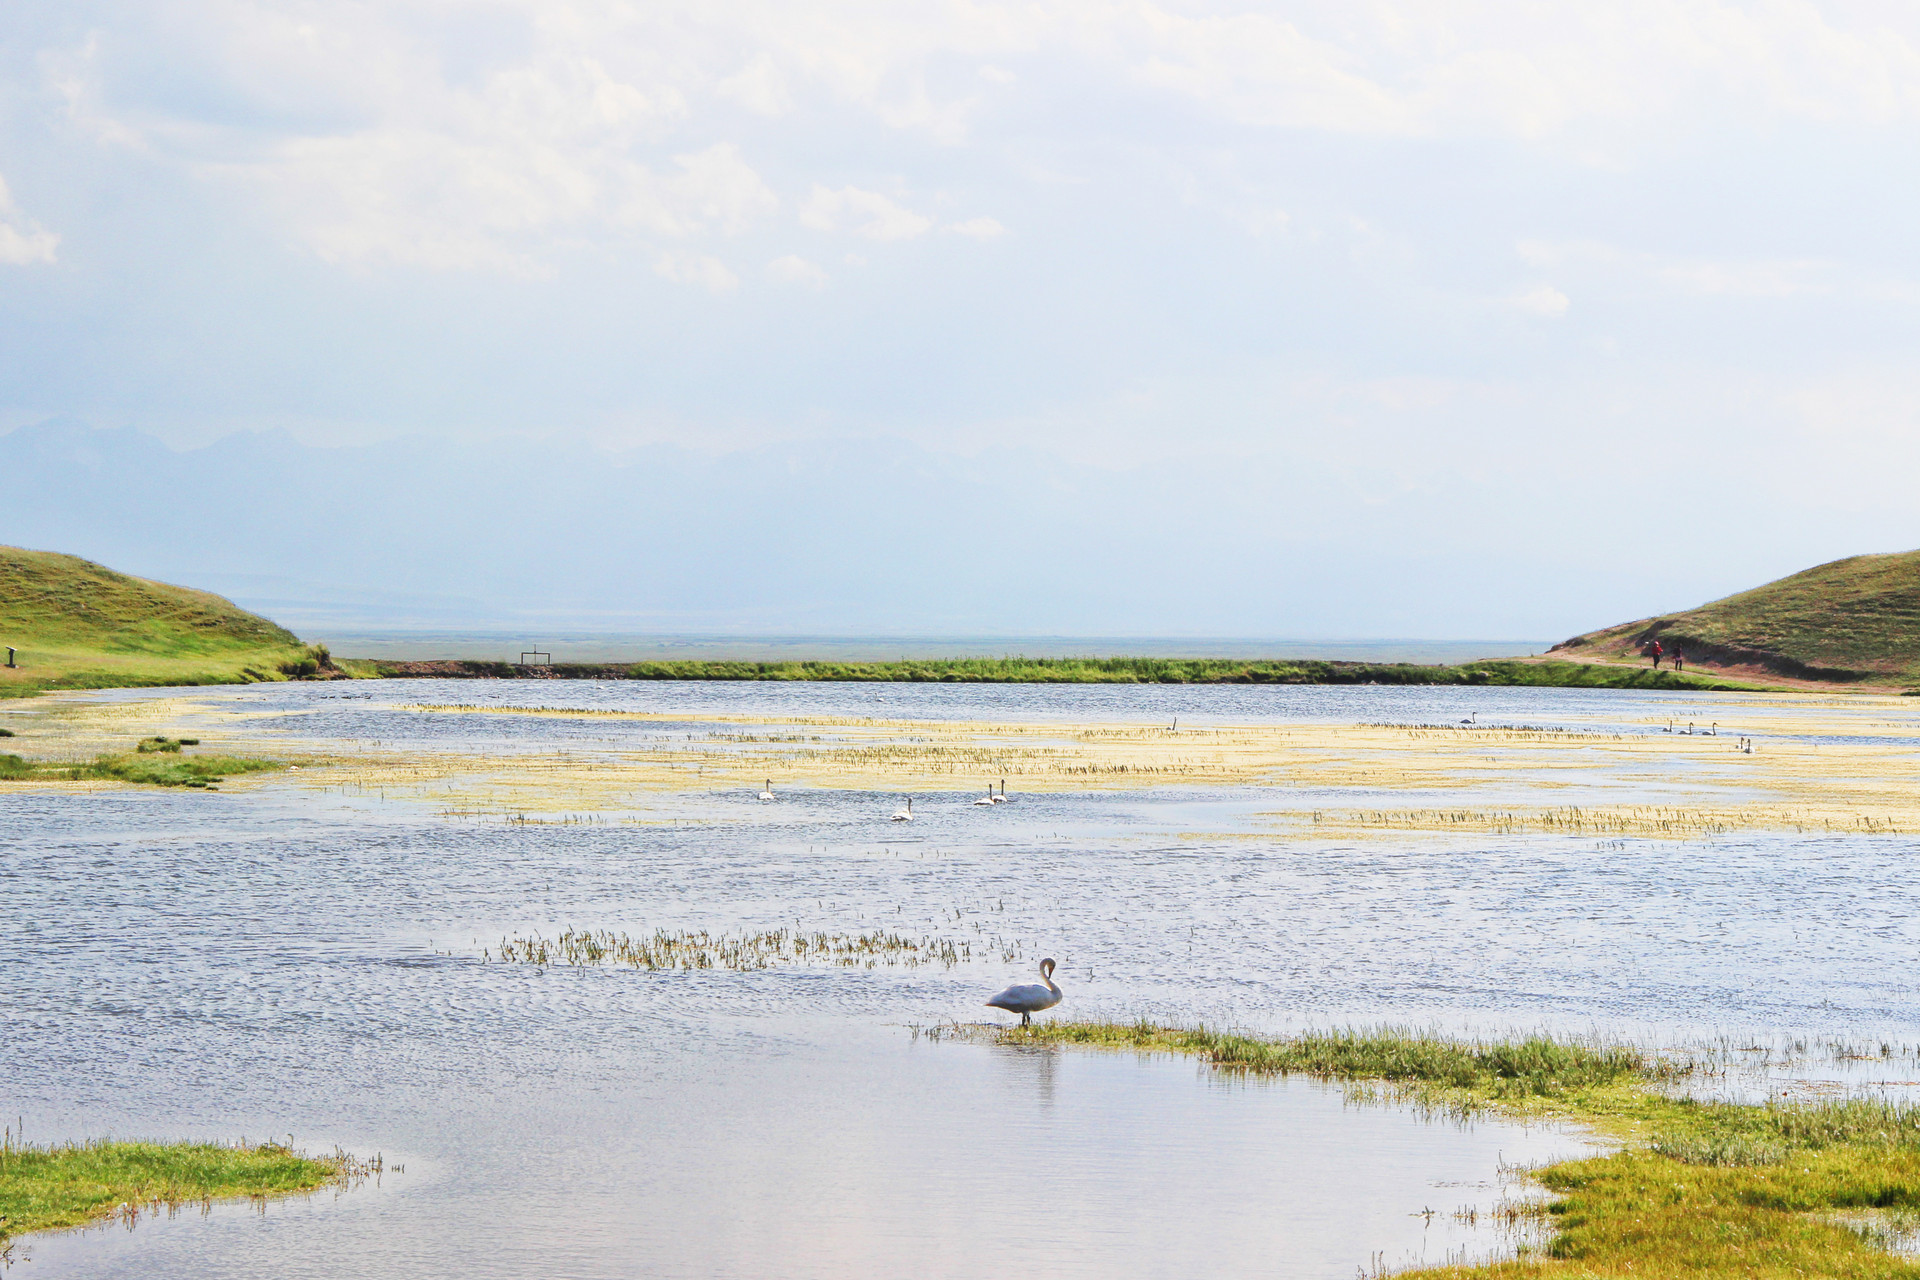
pixel 79 625
pixel 1852 621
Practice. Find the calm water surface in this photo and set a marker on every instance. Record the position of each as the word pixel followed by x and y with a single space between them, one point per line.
pixel 280 960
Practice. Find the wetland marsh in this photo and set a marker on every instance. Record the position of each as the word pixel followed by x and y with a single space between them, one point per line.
pixel 316 950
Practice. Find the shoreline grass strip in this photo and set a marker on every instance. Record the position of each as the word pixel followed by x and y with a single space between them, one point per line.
pixel 1700 1189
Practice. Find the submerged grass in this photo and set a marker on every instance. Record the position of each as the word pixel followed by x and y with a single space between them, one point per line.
pixel 45 1188
pixel 746 951
pixel 1702 1189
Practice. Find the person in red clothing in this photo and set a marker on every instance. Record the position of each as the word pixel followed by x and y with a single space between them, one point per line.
pixel 1655 651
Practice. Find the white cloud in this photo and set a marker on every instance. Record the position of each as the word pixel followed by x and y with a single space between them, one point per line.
pixel 866 213
pixel 394 132
pixel 715 189
pixel 1542 300
pixel 978 228
pixel 22 240
pixel 1648 272
pixel 793 269
pixel 696 268
pixel 759 86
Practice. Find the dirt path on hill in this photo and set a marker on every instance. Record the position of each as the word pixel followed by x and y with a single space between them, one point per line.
pixel 1752 674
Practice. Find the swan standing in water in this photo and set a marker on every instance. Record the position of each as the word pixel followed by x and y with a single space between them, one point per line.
pixel 768 793
pixel 1030 998
pixel 906 814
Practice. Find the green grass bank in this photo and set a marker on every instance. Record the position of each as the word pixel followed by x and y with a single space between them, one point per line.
pixel 46 1188
pixel 79 625
pixel 1850 621
pixel 1699 1189
pixel 1016 670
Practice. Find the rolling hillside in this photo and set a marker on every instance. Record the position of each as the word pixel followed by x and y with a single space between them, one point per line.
pixel 79 625
pixel 1852 621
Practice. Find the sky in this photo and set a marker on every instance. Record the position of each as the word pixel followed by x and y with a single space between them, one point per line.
pixel 1063 317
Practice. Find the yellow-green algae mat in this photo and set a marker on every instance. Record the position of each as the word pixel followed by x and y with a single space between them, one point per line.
pixel 71 1185
pixel 1698 1189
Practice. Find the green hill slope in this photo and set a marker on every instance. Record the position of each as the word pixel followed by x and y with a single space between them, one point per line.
pixel 1854 620
pixel 79 625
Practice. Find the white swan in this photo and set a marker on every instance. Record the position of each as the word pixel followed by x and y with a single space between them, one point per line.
pixel 987 798
pixel 906 814
pixel 1002 797
pixel 1030 998
pixel 768 793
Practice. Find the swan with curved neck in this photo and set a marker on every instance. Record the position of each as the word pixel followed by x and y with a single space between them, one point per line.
pixel 1030 998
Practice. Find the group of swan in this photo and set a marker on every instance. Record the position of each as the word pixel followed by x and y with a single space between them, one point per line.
pixel 991 798
pixel 905 812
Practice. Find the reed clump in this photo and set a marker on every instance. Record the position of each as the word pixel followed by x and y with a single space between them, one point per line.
pixel 690 950
pixel 1649 821
pixel 72 1184
pixel 1538 1066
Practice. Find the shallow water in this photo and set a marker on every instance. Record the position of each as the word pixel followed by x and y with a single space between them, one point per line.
pixel 280 959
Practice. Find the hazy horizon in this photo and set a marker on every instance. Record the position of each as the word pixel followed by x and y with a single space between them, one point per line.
pixel 857 539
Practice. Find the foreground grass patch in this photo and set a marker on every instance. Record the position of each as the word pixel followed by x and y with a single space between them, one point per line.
pixel 1701 1189
pixel 43 1188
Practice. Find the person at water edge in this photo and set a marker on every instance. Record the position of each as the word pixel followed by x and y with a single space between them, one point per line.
pixel 1679 659
pixel 1654 651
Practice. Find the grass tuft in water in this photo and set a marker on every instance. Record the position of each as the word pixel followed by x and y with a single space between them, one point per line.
pixel 702 950
pixel 70 1185
pixel 1538 1066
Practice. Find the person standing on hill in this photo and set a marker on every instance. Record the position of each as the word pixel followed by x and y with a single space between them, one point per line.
pixel 1654 651
pixel 1679 659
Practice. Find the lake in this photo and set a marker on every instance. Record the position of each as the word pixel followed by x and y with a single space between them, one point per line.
pixel 303 954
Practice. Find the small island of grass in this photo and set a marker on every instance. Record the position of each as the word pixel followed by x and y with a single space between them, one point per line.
pixel 157 762
pixel 46 1188
pixel 1700 1189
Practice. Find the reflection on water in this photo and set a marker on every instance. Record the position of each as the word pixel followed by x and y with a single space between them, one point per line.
pixel 281 960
